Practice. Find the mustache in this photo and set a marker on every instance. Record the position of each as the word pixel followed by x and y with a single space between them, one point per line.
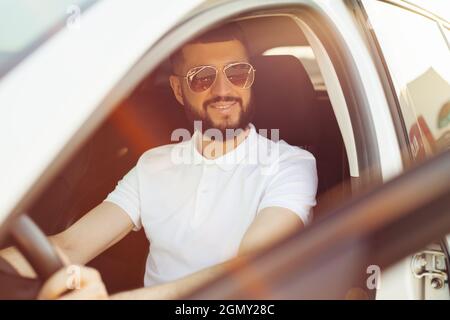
pixel 221 99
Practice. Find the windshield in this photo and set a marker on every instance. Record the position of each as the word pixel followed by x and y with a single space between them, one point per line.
pixel 25 24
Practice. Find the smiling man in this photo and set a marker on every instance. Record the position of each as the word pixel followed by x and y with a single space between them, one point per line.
pixel 220 203
pixel 212 80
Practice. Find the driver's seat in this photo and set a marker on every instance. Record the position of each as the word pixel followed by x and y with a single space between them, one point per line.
pixel 286 100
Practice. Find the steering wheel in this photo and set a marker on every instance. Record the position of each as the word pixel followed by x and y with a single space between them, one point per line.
pixel 39 252
pixel 35 246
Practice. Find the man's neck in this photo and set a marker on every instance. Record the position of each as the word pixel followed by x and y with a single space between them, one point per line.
pixel 213 149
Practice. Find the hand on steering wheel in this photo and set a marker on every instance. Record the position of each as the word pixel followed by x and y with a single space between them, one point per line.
pixel 50 267
pixel 36 247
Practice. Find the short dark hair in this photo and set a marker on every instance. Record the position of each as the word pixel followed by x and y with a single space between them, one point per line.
pixel 227 32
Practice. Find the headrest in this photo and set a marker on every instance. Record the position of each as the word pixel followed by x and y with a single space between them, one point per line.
pixel 285 99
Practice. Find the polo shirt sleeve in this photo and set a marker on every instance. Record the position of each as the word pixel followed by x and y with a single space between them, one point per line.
pixel 126 196
pixel 293 185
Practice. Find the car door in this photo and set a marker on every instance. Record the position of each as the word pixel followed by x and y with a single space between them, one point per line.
pixel 414 63
pixel 342 256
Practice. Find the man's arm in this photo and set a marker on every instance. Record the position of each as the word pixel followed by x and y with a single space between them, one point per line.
pixel 95 232
pixel 272 224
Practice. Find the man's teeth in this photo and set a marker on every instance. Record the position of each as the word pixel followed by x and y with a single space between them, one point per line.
pixel 223 105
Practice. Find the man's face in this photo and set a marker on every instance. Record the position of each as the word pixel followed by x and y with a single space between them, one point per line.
pixel 223 105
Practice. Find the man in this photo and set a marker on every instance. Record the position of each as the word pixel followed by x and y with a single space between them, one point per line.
pixel 202 201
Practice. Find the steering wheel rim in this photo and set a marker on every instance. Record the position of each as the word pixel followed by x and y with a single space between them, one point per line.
pixel 36 247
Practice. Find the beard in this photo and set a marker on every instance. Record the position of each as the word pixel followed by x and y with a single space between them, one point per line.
pixel 245 116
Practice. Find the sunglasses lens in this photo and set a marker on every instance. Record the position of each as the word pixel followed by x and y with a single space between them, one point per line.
pixel 201 78
pixel 241 75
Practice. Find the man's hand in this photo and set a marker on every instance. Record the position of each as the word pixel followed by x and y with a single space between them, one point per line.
pixel 74 283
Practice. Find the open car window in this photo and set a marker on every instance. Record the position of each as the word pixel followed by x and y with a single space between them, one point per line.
pixel 148 116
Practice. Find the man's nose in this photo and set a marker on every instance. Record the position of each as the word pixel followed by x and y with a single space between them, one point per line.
pixel 221 86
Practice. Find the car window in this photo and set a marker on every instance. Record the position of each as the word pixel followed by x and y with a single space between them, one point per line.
pixel 149 116
pixel 31 21
pixel 417 56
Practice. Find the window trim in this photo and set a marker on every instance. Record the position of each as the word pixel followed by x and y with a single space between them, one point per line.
pixel 337 97
pixel 386 81
pixel 404 4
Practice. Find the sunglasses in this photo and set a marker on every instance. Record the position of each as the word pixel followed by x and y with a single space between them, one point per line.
pixel 239 74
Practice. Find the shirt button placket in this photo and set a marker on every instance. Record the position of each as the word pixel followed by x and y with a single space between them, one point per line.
pixel 202 195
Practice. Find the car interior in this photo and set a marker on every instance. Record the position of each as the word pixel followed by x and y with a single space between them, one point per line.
pixel 289 96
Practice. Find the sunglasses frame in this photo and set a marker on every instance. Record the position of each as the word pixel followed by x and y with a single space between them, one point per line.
pixel 188 75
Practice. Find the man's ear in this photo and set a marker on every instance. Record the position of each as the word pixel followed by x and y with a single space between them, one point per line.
pixel 176 88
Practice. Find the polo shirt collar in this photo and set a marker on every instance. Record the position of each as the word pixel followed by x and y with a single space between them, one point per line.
pixel 229 160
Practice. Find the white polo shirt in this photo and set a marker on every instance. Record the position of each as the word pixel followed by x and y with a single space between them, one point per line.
pixel 195 211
